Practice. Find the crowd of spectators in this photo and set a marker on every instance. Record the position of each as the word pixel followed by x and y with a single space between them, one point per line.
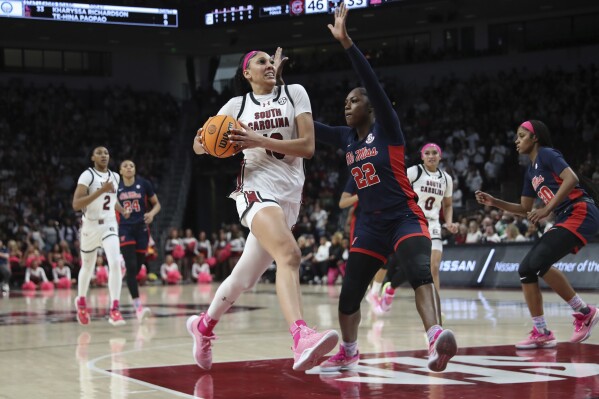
pixel 46 135
pixel 46 138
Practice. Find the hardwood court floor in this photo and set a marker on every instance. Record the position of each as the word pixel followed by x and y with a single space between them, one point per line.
pixel 43 351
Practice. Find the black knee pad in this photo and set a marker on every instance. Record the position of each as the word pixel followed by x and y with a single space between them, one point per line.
pixel 414 265
pixel 541 257
pixel 360 270
pixel 527 273
pixel 349 302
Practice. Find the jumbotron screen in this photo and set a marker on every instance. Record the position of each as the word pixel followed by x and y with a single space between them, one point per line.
pixel 89 13
pixel 254 11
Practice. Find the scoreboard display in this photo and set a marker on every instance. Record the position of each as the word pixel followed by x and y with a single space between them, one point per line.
pixel 89 13
pixel 248 11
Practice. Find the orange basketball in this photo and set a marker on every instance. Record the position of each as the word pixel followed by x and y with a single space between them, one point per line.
pixel 215 135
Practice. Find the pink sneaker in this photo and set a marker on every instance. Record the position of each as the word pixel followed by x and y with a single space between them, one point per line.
pixel 82 312
pixel 340 361
pixel 583 324
pixel 202 344
pixel 443 348
pixel 384 302
pixel 347 383
pixel 142 314
pixel 372 298
pixel 537 340
pixel 312 346
pixel 204 387
pixel 116 318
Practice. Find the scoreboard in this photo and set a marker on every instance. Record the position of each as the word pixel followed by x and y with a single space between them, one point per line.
pixel 89 13
pixel 293 8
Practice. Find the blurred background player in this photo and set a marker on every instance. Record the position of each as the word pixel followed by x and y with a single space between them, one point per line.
pixel 4 269
pixel 134 194
pixel 434 188
pixel 95 196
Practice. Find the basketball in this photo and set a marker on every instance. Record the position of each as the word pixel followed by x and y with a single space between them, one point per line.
pixel 215 135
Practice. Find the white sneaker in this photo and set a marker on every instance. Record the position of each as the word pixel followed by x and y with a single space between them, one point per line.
pixel 142 314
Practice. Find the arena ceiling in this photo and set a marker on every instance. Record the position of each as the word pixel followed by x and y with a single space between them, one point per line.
pixel 403 17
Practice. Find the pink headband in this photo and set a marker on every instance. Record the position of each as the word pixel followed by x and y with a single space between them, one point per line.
pixel 528 126
pixel 428 145
pixel 247 57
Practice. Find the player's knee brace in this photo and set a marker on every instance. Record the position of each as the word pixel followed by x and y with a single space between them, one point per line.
pixel 527 274
pixel 530 270
pixel 420 276
pixel 417 272
pixel 351 297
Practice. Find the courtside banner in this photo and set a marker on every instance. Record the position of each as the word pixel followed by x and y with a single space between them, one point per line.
pixel 461 265
pixel 496 266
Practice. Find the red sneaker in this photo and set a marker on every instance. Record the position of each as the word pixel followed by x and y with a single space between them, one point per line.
pixel 116 318
pixel 82 312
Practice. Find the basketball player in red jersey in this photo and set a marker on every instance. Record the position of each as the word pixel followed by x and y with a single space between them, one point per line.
pixel 278 132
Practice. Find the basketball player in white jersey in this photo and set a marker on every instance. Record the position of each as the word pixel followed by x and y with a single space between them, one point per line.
pixel 278 132
pixel 434 188
pixel 95 196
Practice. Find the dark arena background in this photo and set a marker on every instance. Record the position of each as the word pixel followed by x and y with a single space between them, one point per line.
pixel 141 77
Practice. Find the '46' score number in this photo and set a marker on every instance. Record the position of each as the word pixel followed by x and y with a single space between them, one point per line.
pixel 324 6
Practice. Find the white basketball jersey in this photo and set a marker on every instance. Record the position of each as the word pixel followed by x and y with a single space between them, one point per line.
pixel 431 188
pixel 271 115
pixel 103 206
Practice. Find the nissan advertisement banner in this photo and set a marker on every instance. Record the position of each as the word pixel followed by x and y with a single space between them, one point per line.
pixel 496 266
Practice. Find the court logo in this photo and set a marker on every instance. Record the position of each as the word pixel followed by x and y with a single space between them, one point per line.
pixel 468 370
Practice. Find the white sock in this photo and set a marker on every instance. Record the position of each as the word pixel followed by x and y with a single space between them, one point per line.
pixel 351 348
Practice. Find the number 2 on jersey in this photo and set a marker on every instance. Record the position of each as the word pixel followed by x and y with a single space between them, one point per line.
pixel 365 175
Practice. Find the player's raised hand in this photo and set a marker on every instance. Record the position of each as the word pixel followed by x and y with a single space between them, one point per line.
pixel 339 30
pixel 279 63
